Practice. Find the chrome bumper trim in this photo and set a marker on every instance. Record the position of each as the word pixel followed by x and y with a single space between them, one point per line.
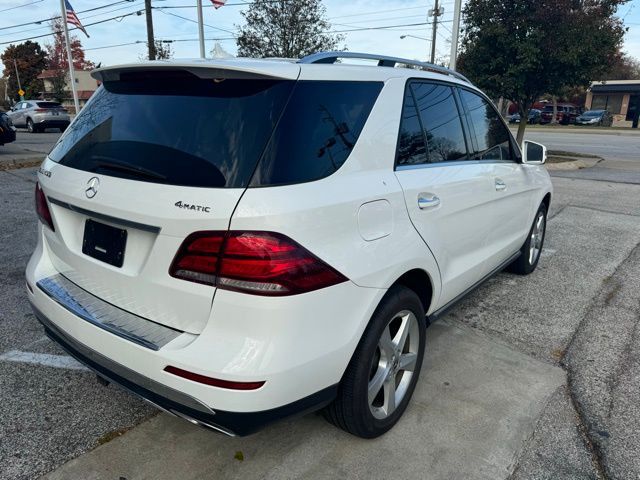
pixel 119 374
pixel 106 316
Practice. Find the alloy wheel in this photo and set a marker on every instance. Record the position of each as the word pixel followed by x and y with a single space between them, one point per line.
pixel 393 364
pixel 537 235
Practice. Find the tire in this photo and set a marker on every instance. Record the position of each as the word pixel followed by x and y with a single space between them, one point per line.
pixel 530 251
pixel 30 126
pixel 377 364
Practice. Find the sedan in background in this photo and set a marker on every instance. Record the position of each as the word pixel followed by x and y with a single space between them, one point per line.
pixel 7 130
pixel 36 115
pixel 533 118
pixel 600 118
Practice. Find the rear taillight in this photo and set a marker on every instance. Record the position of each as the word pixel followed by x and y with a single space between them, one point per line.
pixel 40 110
pixel 261 263
pixel 42 208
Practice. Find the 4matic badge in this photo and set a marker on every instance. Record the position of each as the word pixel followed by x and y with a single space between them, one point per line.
pixel 195 208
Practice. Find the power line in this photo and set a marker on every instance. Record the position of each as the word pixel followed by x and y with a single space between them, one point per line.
pixel 384 27
pixel 377 11
pixel 83 18
pixel 20 6
pixel 138 42
pixel 119 18
pixel 37 22
pixel 161 9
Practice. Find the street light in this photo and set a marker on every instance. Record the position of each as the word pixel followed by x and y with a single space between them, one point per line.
pixel 402 37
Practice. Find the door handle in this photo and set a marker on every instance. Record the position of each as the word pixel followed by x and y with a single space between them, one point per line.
pixel 428 200
pixel 500 185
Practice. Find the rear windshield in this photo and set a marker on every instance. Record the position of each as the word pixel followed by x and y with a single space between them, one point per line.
pixel 213 133
pixel 182 131
pixel 48 105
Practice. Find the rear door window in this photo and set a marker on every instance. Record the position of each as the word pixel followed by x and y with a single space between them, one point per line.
pixel 411 145
pixel 491 139
pixel 441 121
pixel 317 132
pixel 177 130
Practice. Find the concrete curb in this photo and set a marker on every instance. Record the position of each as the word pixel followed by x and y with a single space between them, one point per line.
pixel 574 165
pixel 15 163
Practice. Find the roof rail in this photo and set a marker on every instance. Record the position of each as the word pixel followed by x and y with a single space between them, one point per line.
pixel 383 61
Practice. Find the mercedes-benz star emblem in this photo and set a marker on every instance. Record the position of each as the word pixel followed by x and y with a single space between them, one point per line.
pixel 92 187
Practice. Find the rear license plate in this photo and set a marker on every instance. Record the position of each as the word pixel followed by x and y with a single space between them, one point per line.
pixel 104 242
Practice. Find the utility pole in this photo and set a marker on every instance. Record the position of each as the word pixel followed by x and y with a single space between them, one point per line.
pixel 151 44
pixel 15 65
pixel 454 37
pixel 435 12
pixel 200 29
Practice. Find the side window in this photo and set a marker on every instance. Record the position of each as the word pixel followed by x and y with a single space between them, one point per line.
pixel 24 105
pixel 441 122
pixel 411 147
pixel 492 139
pixel 317 131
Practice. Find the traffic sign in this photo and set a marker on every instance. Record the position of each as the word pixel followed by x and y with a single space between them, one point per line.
pixel 21 92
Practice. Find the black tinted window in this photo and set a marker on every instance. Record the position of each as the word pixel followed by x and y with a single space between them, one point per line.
pixel 492 140
pixel 179 130
pixel 318 130
pixel 441 121
pixel 49 104
pixel 411 147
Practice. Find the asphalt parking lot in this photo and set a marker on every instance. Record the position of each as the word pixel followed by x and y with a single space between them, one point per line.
pixel 532 377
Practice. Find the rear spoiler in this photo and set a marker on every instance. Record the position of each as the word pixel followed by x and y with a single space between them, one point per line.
pixel 204 68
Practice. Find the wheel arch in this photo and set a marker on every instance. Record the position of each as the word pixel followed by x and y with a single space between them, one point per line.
pixel 419 281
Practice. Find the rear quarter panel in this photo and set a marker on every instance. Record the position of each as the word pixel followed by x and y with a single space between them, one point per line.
pixel 325 216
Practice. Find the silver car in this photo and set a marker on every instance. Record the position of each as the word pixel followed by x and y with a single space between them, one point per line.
pixel 36 115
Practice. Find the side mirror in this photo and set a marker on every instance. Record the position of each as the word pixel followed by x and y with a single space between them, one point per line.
pixel 533 153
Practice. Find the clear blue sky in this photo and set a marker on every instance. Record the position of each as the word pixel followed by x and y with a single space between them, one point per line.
pixel 345 16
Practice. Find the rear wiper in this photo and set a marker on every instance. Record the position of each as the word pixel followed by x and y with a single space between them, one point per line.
pixel 112 164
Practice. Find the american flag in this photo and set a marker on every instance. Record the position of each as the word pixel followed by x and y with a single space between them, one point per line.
pixel 72 18
pixel 218 3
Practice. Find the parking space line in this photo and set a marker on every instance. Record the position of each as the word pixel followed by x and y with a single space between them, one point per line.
pixel 44 359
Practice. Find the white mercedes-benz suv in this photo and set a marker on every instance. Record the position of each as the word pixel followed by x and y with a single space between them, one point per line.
pixel 241 240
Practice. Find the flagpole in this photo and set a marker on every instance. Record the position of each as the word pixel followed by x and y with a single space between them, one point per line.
pixel 200 29
pixel 63 9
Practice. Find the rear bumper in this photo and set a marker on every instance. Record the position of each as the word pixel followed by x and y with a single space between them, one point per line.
pixel 178 403
pixel 47 122
pixel 299 346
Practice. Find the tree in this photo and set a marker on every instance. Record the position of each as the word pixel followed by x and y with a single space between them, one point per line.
pixel 163 51
pixel 625 67
pixel 521 49
pixel 30 60
pixel 58 62
pixel 285 28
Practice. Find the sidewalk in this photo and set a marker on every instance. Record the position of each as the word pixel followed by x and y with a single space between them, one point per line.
pixel 476 404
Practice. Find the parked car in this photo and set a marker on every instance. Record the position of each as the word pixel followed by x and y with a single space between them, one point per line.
pixel 280 242
pixel 595 117
pixel 7 130
pixel 36 115
pixel 566 114
pixel 533 117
